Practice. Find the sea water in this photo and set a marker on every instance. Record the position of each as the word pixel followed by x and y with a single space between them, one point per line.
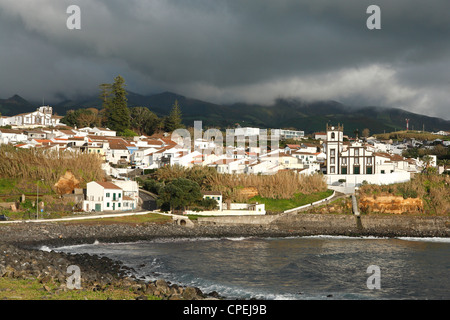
pixel 317 267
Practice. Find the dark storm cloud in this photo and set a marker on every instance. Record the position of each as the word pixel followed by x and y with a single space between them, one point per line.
pixel 252 50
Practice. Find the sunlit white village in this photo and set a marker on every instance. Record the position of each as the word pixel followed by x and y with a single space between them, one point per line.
pixel 346 162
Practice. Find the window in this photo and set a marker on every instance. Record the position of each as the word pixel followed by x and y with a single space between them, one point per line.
pixel 369 160
pixel 344 161
pixel 356 152
pixel 119 205
pixel 108 195
pixel 107 204
pixel 344 170
pixel 369 170
pixel 356 160
pixel 333 135
pixel 382 171
pixel 356 170
pixel 332 170
pixel 332 152
pixel 332 161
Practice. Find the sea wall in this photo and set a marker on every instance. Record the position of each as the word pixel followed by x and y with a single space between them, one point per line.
pixel 339 224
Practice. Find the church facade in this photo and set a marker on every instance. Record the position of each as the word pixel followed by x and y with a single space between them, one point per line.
pixel 42 117
pixel 355 162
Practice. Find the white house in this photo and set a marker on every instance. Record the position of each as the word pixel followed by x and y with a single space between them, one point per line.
pixel 305 157
pixel 103 196
pixel 288 134
pixel 96 131
pixel 117 151
pixel 215 195
pixel 227 166
pixel 130 191
pixel 103 132
pixel 188 159
pixel 320 136
pixel 12 136
pixel 246 131
pixel 5 121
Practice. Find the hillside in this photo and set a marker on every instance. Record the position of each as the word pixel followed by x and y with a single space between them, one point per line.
pixel 283 113
pixel 14 105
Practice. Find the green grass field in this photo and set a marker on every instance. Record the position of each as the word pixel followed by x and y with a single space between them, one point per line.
pixel 280 205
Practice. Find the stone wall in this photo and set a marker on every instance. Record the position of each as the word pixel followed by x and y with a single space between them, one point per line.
pixel 339 224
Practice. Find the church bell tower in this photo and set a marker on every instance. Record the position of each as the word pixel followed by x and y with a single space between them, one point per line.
pixel 335 139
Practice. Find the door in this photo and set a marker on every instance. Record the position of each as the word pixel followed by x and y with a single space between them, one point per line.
pixel 98 207
pixel 114 206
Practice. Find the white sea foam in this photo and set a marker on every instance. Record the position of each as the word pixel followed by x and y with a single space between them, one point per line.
pixel 75 246
pixel 324 236
pixel 45 248
pixel 238 238
pixel 430 239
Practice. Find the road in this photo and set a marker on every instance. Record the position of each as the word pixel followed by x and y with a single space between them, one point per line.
pixel 81 217
pixel 148 200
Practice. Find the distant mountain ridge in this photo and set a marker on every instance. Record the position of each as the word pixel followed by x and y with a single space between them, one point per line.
pixel 283 113
pixel 15 105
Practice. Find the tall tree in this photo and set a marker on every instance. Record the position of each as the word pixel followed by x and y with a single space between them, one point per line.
pixel 105 93
pixel 70 118
pixel 143 121
pixel 88 117
pixel 118 113
pixel 366 133
pixel 173 121
pixel 180 193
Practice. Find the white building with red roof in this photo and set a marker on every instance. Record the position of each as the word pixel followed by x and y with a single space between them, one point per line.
pixel 109 196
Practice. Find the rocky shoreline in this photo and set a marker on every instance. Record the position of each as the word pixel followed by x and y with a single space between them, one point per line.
pixel 23 258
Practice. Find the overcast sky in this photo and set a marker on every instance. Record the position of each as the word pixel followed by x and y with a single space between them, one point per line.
pixel 232 50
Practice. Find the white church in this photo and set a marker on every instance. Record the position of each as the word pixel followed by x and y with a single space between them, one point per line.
pixel 353 163
pixel 42 117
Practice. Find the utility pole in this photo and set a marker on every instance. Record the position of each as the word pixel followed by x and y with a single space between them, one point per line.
pixel 37 199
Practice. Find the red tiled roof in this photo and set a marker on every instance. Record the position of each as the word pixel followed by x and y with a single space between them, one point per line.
pixel 118 144
pixel 211 193
pixel 42 141
pixel 223 161
pixel 108 185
